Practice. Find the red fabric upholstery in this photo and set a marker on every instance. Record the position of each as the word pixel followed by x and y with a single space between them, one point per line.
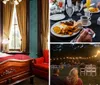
pixel 16 56
pixel 39 60
pixel 46 56
pixel 41 65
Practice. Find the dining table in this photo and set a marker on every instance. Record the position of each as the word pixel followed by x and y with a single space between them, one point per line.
pixel 94 26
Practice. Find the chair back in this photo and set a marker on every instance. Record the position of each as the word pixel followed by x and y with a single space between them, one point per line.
pixel 46 56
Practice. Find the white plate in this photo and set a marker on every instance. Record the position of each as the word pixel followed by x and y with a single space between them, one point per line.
pixel 59 35
pixel 88 24
pixel 57 17
pixel 92 12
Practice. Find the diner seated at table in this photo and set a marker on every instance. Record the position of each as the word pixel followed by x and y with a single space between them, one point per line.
pixel 98 4
pixel 73 78
pixel 55 79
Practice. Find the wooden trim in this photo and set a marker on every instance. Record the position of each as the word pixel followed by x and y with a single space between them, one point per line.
pixel 28 26
pixel 39 11
pixel 1 25
pixel 14 50
pixel 15 71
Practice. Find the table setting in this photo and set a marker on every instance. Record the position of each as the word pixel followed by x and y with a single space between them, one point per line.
pixel 68 20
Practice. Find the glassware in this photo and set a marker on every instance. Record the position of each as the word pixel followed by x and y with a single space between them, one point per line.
pixel 70 11
pixel 79 6
pixel 61 5
pixel 88 14
pixel 88 2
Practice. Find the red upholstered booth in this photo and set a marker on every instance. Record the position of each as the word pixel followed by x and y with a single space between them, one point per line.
pixel 41 65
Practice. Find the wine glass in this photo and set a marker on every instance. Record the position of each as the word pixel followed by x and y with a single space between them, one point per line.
pixel 70 11
pixel 61 4
pixel 79 6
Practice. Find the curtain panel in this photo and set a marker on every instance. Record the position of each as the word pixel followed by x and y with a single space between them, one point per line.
pixel 44 24
pixel 21 16
pixel 7 21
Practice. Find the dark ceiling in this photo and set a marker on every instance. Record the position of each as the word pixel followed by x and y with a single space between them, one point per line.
pixel 74 50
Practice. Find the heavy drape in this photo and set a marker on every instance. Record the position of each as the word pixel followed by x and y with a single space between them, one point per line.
pixel 7 20
pixel 21 15
pixel 44 24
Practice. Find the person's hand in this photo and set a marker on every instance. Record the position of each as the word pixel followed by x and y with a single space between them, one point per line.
pixel 98 4
pixel 85 36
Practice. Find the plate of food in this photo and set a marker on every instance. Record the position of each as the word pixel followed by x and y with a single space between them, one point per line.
pixel 92 9
pixel 66 28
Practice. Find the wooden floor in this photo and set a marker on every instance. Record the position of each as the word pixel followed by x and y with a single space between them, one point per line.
pixel 37 81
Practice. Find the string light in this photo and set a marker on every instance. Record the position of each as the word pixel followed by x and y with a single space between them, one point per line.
pixel 97 53
pixel 76 58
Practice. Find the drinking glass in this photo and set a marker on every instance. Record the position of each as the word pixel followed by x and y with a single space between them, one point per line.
pixel 88 2
pixel 61 5
pixel 88 14
pixel 70 11
pixel 79 6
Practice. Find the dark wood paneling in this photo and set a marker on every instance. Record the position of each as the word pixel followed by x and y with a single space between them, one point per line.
pixel 28 26
pixel 1 24
pixel 39 6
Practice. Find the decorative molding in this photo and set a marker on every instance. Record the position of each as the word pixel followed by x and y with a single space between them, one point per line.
pixel 7 72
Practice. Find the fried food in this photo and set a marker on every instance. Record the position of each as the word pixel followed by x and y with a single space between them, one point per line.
pixel 57 29
pixel 92 9
pixel 69 23
pixel 67 28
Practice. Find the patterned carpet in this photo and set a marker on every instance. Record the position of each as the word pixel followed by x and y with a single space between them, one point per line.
pixel 37 81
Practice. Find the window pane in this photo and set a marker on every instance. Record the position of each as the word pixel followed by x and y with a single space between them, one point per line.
pixel 15 36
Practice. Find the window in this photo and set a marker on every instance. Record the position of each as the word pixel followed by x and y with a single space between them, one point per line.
pixel 15 36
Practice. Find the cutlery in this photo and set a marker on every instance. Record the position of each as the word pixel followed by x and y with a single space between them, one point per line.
pixel 92 4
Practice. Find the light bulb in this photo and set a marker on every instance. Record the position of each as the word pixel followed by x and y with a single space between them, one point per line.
pixel 16 2
pixel 4 1
pixel 19 0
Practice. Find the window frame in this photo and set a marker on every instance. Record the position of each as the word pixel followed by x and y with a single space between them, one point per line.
pixel 27 26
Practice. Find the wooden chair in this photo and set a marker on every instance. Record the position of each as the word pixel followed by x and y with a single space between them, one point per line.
pixel 82 71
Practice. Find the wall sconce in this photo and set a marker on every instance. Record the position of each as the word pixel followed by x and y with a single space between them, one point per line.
pixel 16 2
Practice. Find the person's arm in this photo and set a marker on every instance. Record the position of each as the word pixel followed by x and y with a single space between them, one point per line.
pixel 97 3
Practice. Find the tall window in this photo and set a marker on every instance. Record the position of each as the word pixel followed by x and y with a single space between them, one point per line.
pixel 15 36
